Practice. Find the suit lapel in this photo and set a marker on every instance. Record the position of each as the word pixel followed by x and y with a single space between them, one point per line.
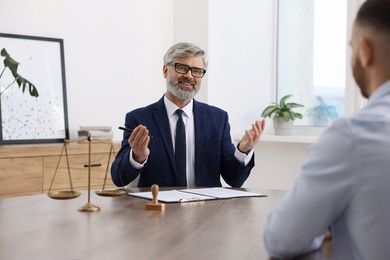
pixel 199 122
pixel 161 119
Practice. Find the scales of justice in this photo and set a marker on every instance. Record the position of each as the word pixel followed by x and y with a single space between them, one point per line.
pixel 71 194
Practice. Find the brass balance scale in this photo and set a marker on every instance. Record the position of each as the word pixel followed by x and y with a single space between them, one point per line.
pixel 71 194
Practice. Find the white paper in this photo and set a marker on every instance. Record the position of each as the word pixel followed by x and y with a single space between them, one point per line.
pixel 223 193
pixel 189 195
pixel 172 196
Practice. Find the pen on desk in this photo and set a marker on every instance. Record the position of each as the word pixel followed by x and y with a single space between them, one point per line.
pixel 192 199
pixel 129 130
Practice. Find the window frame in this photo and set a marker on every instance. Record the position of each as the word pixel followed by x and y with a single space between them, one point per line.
pixel 353 100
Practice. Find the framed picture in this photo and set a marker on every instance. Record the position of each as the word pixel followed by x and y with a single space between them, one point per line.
pixel 35 112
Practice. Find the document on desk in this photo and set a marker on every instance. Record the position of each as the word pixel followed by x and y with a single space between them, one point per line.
pixel 223 193
pixel 171 196
pixel 201 194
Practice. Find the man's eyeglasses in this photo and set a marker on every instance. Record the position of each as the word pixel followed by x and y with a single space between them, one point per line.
pixel 183 69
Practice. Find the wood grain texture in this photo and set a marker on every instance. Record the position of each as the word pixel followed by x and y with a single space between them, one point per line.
pixel 20 175
pixel 29 169
pixel 37 227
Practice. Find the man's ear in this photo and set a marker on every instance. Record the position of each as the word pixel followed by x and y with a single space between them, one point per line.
pixel 165 71
pixel 366 53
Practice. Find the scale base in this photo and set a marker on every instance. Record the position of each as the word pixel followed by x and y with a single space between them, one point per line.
pixel 89 207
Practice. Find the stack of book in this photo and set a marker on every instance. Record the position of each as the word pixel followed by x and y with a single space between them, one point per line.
pixel 98 132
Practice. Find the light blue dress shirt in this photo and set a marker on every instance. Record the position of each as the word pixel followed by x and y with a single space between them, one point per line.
pixel 344 184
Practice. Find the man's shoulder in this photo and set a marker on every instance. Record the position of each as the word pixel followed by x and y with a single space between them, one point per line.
pixel 208 108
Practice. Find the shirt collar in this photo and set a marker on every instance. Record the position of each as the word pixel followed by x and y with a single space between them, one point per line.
pixel 171 107
pixel 382 90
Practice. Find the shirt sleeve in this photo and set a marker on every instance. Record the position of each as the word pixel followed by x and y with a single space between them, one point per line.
pixel 134 164
pixel 322 190
pixel 243 157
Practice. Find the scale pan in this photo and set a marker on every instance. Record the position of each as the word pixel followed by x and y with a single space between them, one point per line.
pixel 110 193
pixel 63 195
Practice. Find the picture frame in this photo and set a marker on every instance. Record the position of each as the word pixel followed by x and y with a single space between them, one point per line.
pixel 25 119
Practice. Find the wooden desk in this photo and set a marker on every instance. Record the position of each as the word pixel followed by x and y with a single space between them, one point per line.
pixel 37 227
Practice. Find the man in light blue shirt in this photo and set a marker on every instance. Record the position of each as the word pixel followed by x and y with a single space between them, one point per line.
pixel 345 182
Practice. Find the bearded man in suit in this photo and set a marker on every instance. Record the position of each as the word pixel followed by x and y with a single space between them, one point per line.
pixel 151 150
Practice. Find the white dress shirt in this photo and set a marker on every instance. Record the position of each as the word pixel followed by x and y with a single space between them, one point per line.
pixel 344 184
pixel 188 119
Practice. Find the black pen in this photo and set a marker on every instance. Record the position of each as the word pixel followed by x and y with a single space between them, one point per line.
pixel 126 129
pixel 130 130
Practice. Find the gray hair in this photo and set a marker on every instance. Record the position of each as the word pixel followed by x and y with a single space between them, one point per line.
pixel 182 50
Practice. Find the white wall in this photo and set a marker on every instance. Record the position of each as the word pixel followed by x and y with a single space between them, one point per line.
pixel 113 51
pixel 241 50
pixel 277 165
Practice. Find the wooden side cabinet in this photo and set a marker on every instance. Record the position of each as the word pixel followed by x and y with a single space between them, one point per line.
pixel 30 169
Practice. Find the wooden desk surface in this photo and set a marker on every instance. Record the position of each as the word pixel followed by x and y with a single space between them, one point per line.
pixel 37 227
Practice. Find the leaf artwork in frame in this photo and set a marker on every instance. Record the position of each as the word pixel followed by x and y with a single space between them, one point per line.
pixel 26 116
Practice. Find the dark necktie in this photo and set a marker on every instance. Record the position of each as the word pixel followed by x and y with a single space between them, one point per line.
pixel 180 150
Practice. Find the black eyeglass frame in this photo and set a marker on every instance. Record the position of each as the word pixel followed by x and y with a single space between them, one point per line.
pixel 188 68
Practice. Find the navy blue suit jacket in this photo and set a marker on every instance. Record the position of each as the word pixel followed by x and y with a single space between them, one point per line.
pixel 214 150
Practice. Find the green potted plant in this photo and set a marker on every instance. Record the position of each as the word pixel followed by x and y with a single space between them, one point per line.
pixel 23 83
pixel 283 115
pixel 322 113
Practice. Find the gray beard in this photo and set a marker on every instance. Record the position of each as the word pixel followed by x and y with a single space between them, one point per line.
pixel 181 94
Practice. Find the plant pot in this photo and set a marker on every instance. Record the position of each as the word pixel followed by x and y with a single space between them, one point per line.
pixel 282 127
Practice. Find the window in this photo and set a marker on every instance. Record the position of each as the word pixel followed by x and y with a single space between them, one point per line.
pixel 312 57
